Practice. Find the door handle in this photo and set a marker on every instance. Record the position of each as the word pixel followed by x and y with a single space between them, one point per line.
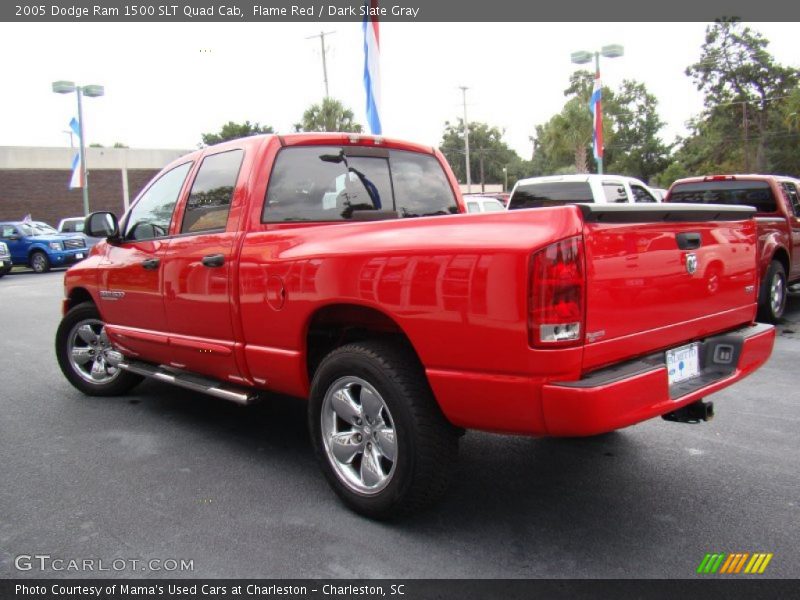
pixel 151 263
pixel 213 260
pixel 689 240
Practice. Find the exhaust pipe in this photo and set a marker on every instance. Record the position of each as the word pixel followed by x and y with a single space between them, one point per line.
pixel 692 413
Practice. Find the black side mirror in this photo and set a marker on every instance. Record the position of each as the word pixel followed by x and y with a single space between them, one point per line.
pixel 102 224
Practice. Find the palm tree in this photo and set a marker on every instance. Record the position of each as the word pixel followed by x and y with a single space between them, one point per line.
pixel 331 115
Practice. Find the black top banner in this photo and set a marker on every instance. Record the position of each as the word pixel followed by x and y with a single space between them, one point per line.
pixel 394 10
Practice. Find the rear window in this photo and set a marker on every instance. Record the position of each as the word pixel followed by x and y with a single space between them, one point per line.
pixel 332 183
pixel 554 193
pixel 740 193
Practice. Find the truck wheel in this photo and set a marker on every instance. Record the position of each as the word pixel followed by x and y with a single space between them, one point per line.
pixel 772 295
pixel 379 436
pixel 39 262
pixel 82 349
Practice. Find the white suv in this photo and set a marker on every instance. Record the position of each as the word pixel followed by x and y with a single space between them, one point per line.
pixel 569 189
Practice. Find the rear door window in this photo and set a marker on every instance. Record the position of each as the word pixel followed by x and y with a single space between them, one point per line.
pixel 793 196
pixel 552 193
pixel 334 183
pixel 614 192
pixel 212 191
pixel 735 192
pixel 641 195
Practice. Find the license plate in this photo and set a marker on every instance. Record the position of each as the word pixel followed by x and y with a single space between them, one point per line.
pixel 683 363
pixel 79 255
pixel 2 264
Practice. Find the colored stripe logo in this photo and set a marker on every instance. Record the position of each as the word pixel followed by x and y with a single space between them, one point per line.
pixel 734 563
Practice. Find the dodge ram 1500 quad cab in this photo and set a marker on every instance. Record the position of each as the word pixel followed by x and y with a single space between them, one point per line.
pixel 341 269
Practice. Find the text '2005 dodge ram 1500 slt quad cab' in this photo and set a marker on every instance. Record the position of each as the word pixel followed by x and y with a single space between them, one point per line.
pixel 322 266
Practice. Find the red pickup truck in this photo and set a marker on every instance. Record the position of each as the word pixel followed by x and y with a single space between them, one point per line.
pixel 777 202
pixel 335 267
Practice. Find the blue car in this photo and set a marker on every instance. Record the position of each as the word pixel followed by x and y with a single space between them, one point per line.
pixel 40 246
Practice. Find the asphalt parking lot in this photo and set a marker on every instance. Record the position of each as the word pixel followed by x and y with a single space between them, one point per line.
pixel 166 474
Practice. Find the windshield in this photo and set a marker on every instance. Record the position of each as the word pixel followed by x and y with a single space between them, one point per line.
pixel 42 228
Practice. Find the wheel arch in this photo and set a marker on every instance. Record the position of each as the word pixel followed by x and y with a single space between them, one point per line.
pixel 76 296
pixel 338 324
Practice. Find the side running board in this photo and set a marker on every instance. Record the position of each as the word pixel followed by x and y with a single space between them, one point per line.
pixel 196 383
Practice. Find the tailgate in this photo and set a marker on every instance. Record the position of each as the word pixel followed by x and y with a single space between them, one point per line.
pixel 661 276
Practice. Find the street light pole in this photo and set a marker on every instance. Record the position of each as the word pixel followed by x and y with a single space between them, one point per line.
pixel 82 151
pixel 92 91
pixel 466 137
pixel 582 57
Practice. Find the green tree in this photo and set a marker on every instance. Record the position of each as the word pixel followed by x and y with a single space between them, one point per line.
pixel 232 131
pixel 563 144
pixel 636 150
pixel 488 154
pixel 735 70
pixel 331 115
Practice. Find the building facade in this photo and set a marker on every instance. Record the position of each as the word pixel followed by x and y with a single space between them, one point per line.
pixel 35 181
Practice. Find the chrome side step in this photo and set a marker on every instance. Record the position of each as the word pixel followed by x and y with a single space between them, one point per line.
pixel 190 381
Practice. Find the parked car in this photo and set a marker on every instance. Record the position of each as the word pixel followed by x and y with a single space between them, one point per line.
pixel 39 246
pixel 477 203
pixel 777 202
pixel 76 225
pixel 557 190
pixel 333 267
pixel 5 260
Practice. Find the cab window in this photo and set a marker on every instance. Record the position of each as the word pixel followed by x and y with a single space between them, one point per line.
pixel 212 191
pixel 614 192
pixel 335 183
pixel 150 216
pixel 641 195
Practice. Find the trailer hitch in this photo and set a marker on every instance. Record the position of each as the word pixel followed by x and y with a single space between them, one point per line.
pixel 691 413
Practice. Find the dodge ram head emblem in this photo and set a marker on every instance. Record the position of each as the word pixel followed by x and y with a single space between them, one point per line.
pixel 691 263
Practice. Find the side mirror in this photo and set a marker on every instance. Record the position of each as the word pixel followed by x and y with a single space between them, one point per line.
pixel 13 237
pixel 102 224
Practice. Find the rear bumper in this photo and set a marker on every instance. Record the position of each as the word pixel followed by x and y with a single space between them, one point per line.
pixel 631 392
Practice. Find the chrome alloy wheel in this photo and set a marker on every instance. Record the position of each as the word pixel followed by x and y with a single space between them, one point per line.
pixel 88 350
pixel 777 294
pixel 359 435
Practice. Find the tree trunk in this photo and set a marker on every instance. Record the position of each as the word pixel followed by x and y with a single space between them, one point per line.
pixel 581 159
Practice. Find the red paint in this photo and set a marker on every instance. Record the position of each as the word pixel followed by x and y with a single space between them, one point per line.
pixel 458 287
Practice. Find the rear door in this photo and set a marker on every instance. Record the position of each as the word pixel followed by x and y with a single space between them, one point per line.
pixel 17 245
pixel 130 284
pixel 792 192
pixel 197 268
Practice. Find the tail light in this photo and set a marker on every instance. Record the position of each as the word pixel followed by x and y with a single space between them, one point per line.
pixel 556 298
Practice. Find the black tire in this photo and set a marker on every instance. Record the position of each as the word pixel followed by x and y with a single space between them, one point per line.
pixel 425 443
pixel 5 271
pixel 39 262
pixel 116 381
pixel 772 294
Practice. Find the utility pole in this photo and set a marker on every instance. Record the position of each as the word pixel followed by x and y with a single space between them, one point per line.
pixel 745 127
pixel 466 137
pixel 321 37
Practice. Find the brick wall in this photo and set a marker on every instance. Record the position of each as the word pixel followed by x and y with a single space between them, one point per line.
pixel 44 193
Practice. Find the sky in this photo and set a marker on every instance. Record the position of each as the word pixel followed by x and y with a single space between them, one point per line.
pixel 167 83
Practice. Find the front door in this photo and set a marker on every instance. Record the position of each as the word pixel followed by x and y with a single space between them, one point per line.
pixel 131 274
